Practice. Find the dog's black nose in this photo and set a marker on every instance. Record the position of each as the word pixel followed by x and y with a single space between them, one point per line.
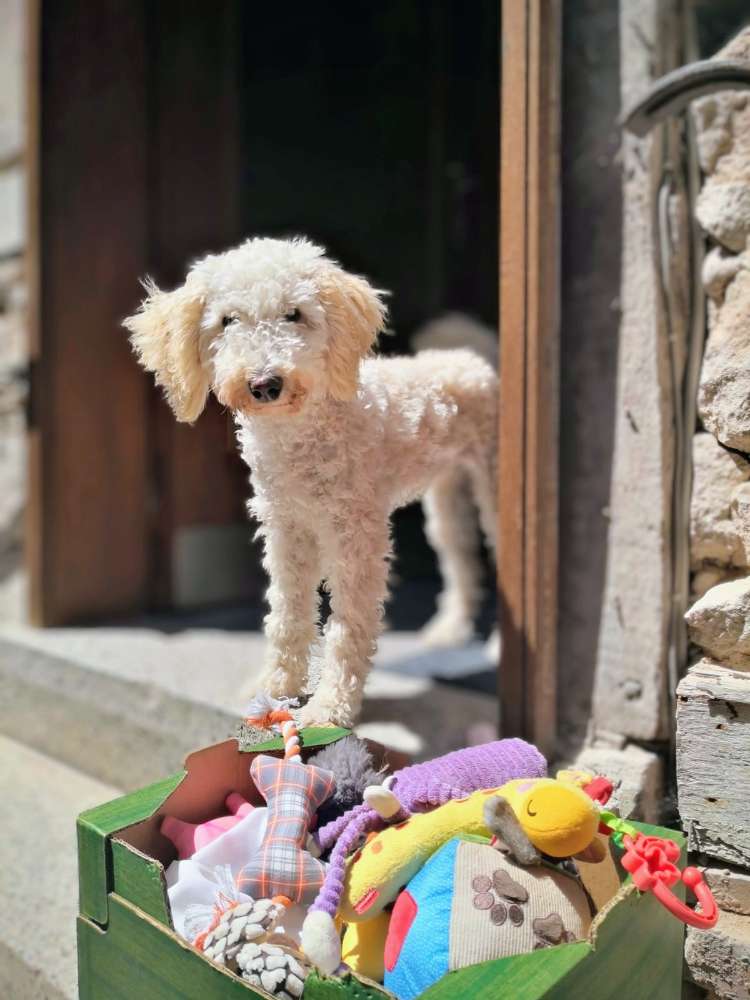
pixel 266 390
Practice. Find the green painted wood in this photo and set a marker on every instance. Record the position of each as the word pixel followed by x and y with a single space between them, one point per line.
pixel 313 736
pixel 346 987
pixel 140 880
pixel 637 953
pixel 137 957
pixel 94 829
pixel 523 977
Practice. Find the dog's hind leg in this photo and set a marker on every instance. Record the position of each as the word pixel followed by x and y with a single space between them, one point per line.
pixel 451 529
pixel 483 477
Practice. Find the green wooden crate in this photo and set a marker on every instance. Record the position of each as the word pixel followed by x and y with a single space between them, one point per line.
pixel 126 947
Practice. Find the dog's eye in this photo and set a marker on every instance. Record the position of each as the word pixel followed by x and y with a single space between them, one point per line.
pixel 294 316
pixel 228 320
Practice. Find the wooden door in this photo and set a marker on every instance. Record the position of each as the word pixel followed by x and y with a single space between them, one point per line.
pixel 132 170
pixel 88 192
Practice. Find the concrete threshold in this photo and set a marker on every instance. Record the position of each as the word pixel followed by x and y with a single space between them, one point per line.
pixel 127 704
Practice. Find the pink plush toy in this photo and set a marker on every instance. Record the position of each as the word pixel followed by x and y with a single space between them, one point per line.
pixel 191 837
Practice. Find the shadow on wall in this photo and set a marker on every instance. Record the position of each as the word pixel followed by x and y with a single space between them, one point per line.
pixel 591 245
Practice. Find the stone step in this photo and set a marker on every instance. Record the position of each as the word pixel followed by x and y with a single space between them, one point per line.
pixel 127 704
pixel 38 871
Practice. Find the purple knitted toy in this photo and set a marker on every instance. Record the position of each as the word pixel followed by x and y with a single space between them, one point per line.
pixel 418 788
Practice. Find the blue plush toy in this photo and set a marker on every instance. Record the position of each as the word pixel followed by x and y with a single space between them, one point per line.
pixel 470 903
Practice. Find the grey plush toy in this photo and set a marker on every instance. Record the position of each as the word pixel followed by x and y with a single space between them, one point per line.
pixel 352 765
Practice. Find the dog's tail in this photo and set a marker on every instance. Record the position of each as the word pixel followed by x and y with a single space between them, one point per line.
pixel 457 329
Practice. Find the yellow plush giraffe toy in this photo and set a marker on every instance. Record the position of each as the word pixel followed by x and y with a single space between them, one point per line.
pixel 557 818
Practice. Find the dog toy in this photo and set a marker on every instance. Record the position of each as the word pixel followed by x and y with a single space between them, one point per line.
pixel 191 837
pixel 252 920
pixel 282 867
pixel 266 712
pixel 470 904
pixel 363 946
pixel 651 861
pixel 416 788
pixel 553 817
pixel 352 766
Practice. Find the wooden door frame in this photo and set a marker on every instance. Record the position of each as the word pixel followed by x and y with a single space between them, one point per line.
pixel 529 366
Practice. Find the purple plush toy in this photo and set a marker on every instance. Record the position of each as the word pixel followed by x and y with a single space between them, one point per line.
pixel 418 788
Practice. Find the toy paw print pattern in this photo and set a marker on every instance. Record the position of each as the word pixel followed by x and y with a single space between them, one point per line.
pixel 550 931
pixel 502 884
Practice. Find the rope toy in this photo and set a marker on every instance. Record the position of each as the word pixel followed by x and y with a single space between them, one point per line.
pixel 265 712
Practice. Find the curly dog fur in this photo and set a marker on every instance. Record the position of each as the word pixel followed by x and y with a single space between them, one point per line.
pixel 335 440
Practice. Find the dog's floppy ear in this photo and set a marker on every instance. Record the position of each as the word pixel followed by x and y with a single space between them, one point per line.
pixel 164 334
pixel 355 314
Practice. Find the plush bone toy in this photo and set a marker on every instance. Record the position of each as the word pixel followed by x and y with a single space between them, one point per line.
pixel 282 867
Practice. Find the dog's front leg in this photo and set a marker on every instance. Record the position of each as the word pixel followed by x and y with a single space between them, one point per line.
pixel 356 557
pixel 292 562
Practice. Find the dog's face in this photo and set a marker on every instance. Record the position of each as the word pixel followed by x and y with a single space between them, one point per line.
pixel 267 327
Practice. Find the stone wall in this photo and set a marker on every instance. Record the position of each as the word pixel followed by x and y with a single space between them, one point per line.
pixel 713 708
pixel 12 306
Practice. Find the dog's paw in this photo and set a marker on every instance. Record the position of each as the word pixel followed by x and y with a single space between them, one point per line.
pixel 323 712
pixel 276 682
pixel 447 629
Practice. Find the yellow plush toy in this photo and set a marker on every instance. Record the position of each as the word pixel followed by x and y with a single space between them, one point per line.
pixel 556 817
pixel 363 945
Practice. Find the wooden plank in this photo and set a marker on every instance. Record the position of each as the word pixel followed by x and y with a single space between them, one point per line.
pixel 543 370
pixel 87 192
pixel 513 233
pixel 713 760
pixel 529 349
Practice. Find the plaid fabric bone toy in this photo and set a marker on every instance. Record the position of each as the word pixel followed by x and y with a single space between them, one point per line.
pixel 282 867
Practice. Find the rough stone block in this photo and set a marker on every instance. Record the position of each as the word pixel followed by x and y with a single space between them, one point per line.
pixel 637 775
pixel 720 623
pixel 724 391
pixel 719 959
pixel 713 760
pixel 717 473
pixel 731 888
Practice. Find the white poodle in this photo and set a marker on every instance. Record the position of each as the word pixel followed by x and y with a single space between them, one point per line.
pixel 335 441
